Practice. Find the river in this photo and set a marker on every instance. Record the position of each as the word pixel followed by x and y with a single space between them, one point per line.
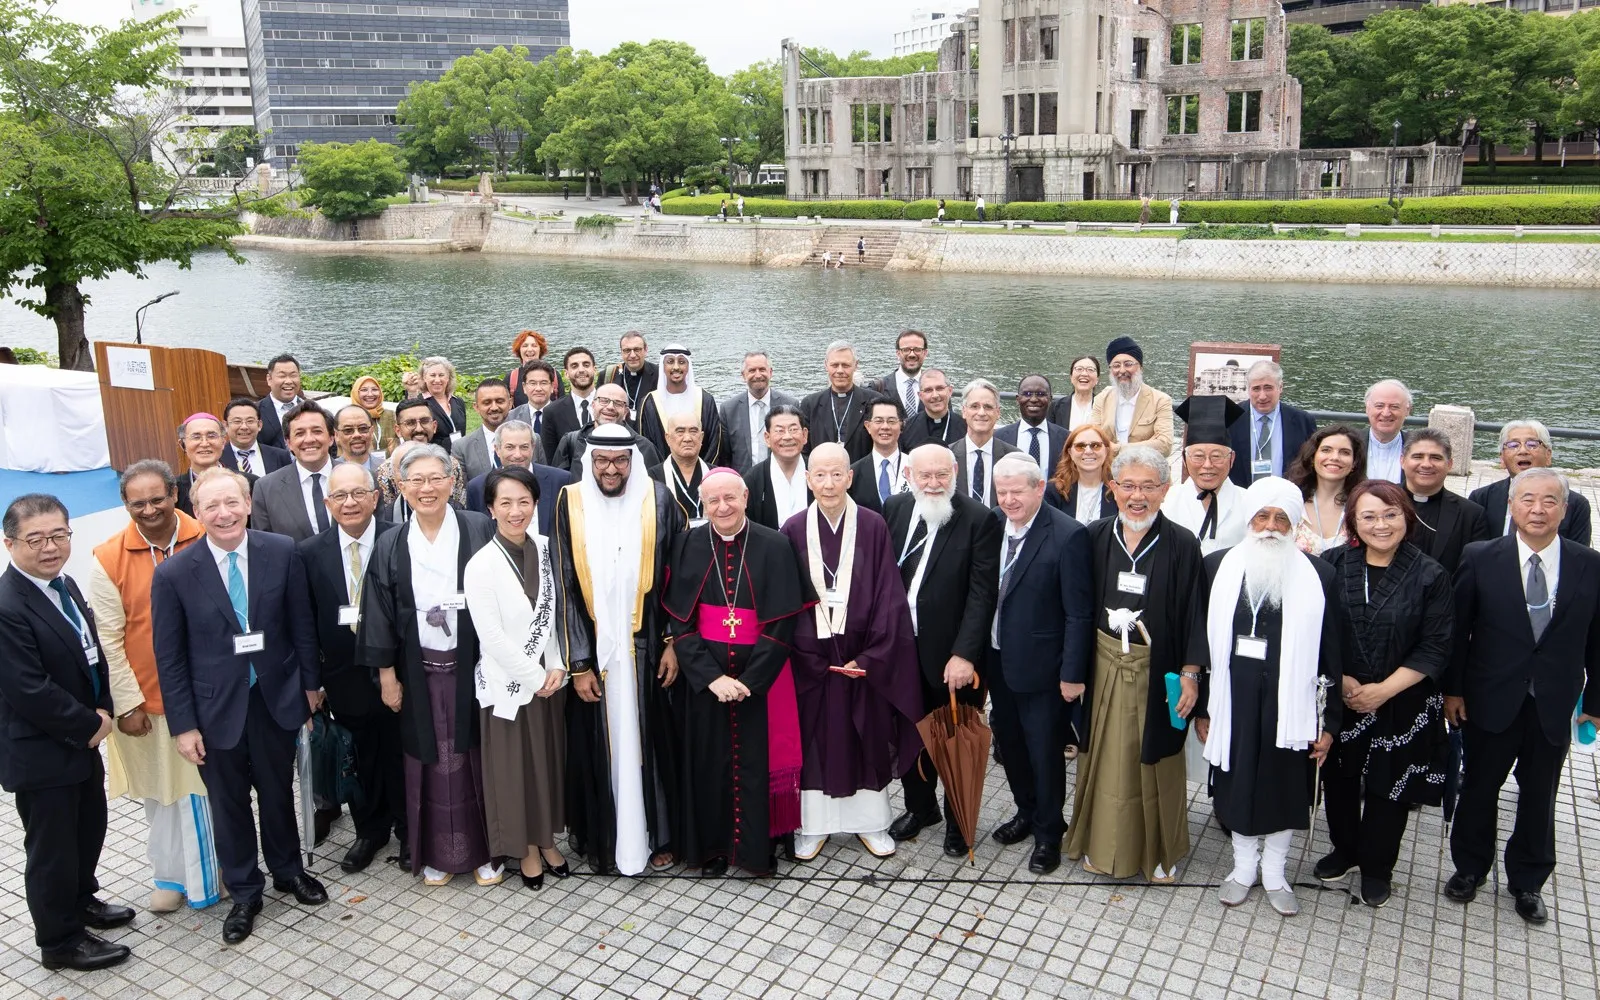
pixel 1504 353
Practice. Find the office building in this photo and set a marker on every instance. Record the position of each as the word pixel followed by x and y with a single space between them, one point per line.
pixel 216 84
pixel 929 28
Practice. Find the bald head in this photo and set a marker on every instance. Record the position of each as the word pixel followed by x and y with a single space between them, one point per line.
pixel 684 434
pixel 828 474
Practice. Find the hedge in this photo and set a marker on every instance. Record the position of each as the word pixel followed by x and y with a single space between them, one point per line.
pixel 1075 211
pixel 1503 210
pixel 522 187
pixel 1328 211
pixel 780 208
pixel 387 371
pixel 928 208
pixel 761 190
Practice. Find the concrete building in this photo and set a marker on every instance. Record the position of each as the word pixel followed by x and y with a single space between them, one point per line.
pixel 929 28
pixel 334 72
pixel 216 83
pixel 1555 8
pixel 1083 99
pixel 1344 16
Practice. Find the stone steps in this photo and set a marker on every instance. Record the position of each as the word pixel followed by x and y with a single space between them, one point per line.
pixel 835 240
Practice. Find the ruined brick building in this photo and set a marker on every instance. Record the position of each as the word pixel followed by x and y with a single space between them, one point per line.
pixel 1052 100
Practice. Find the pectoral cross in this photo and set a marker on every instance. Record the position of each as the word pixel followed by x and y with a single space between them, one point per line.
pixel 733 621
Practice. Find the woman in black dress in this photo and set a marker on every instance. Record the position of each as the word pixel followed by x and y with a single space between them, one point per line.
pixel 1391 747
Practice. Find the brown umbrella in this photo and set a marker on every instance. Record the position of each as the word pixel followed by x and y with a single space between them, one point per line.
pixel 957 740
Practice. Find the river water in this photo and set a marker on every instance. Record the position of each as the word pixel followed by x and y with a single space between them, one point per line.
pixel 1504 353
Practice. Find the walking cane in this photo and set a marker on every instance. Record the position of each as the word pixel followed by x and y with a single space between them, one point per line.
pixel 1316 787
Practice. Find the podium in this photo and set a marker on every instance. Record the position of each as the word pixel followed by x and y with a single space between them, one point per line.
pixel 146 390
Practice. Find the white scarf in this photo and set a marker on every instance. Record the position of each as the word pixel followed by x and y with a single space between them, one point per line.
pixel 1298 657
pixel 504 688
pixel 831 621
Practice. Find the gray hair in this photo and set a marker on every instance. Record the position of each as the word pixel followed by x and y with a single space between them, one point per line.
pixel 147 467
pixel 1539 429
pixel 511 425
pixel 1019 465
pixel 1144 456
pixel 1538 472
pixel 1266 367
pixel 755 354
pixel 423 452
pixel 1389 383
pixel 439 362
pixel 840 345
pixel 979 383
pixel 372 481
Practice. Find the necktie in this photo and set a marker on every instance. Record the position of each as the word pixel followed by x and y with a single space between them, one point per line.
pixel 70 609
pixel 239 598
pixel 883 482
pixel 1538 597
pixel 758 424
pixel 538 422
pixel 1033 447
pixel 1013 543
pixel 355 576
pixel 913 554
pixel 977 479
pixel 317 503
pixel 244 461
pixel 911 396
pixel 585 413
pixel 1264 445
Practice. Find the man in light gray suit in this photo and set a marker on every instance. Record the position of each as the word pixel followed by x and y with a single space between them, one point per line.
pixel 492 400
pixel 744 415
pixel 980 449
pixel 290 500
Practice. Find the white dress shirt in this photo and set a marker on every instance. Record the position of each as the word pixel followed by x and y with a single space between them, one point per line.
pixel 1025 441
pixel 305 488
pixel 896 484
pixel 258 464
pixel 1383 460
pixel 1012 531
pixel 1549 561
pixel 488 442
pixel 1125 408
pixel 364 544
pixel 758 409
pixel 900 380
pixel 788 492
pixel 987 451
pixel 433 579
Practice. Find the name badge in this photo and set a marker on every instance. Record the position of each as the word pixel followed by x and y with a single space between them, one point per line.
pixel 349 614
pixel 455 602
pixel 1250 647
pixel 695 522
pixel 1261 467
pixel 832 599
pixel 1131 583
pixel 91 652
pixel 250 642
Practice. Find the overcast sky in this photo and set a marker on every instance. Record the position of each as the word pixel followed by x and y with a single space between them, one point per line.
pixel 731 34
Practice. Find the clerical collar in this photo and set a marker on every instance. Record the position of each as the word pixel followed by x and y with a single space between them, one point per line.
pixel 1419 498
pixel 842 395
pixel 730 538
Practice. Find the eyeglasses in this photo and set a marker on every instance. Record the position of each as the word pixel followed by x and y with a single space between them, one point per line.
pixel 417 482
pixel 1139 489
pixel 884 421
pixel 363 429
pixel 1086 370
pixel 1532 444
pixel 1125 366
pixel 1389 517
pixel 142 505
pixel 912 350
pixel 357 495
pixel 197 437
pixel 37 542
pixel 412 425
pixel 1088 446
pixel 602 401
pixel 621 462
pixel 1033 394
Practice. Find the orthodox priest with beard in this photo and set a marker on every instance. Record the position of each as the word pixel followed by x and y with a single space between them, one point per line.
pixel 733 598
pixel 613 529
pixel 1276 631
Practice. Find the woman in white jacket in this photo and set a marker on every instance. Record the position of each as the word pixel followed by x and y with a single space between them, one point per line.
pixel 521 681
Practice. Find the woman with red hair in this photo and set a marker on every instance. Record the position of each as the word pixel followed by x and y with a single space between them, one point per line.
pixel 529 345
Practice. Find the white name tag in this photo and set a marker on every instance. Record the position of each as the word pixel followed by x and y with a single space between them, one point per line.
pixel 455 602
pixel 250 642
pixel 91 652
pixel 349 614
pixel 1262 467
pixel 832 599
pixel 1250 647
pixel 1131 583
pixel 695 522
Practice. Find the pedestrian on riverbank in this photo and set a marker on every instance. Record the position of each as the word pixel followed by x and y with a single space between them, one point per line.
pixel 1144 210
pixel 1173 205
pixel 861 250
pixel 939 216
pixel 982 213
pixel 722 210
pixel 739 201
pixel 566 191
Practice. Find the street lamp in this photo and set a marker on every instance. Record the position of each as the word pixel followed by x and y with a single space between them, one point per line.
pixel 1006 139
pixel 1394 143
pixel 138 316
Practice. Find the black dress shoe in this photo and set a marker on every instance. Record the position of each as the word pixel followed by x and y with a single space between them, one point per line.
pixel 403 857
pixel 1045 859
pixel 715 868
pixel 910 824
pixel 305 888
pixel 1332 868
pixel 89 954
pixel 1014 830
pixel 322 822
pixel 1374 891
pixel 955 845
pixel 1463 887
pixel 103 916
pixel 1530 907
pixel 534 882
pixel 241 920
pixel 361 853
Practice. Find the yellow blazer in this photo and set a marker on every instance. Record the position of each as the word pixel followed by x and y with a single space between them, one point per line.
pixel 1152 418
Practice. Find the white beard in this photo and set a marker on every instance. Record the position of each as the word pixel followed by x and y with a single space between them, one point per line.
pixel 1128 390
pixel 1141 526
pixel 1266 557
pixel 935 511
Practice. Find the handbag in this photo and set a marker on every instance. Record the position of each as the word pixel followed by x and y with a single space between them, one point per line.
pixel 333 763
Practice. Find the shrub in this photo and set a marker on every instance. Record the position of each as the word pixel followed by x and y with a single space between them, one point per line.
pixel 1227 231
pixel 523 186
pixel 349 180
pixel 606 222
pixel 674 193
pixel 928 208
pixel 761 190
pixel 1072 211
pixel 1329 211
pixel 780 208
pixel 30 356
pixel 387 371
pixel 1503 210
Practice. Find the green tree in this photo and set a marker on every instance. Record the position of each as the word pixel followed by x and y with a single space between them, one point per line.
pixel 1337 86
pixel 485 99
pixel 1581 102
pixel 821 62
pixel 86 190
pixel 349 180
pixel 234 150
pixel 758 93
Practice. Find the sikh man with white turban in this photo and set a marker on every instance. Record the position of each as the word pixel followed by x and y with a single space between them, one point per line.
pixel 1274 628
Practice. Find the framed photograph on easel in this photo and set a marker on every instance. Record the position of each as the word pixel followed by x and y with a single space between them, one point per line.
pixel 1221 369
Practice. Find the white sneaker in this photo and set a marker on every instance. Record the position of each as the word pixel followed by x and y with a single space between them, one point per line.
pixel 490 874
pixel 435 877
pixel 807 847
pixel 879 844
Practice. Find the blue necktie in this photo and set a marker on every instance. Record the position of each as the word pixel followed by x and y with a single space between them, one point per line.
pixel 238 597
pixel 68 608
pixel 883 482
pixel 1033 447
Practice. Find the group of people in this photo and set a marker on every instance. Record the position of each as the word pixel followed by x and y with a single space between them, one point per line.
pixel 685 631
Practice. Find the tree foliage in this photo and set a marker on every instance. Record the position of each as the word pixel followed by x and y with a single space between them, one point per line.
pixel 349 180
pixel 487 100
pixel 821 62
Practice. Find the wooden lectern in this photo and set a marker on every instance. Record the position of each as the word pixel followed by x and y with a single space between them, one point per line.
pixel 146 390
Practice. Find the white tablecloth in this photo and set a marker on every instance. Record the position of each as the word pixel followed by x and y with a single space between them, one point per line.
pixel 50 420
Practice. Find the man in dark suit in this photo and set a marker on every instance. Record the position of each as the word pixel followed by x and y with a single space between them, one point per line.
pixel 290 501
pixel 878 474
pixel 837 412
pixel 1266 442
pixel 610 407
pixel 777 484
pixel 492 401
pixel 575 410
pixel 933 423
pixel 55 710
pixel 977 453
pixel 1446 522
pixel 1040 645
pixel 744 414
pixel 203 441
pixel 236 650
pixel 905 382
pixel 1033 435
pixel 1522 661
pixel 637 375
pixel 283 395
pixel 1524 445
pixel 538 385
pixel 335 564
pixel 948 547
pixel 245 451
pixel 513 446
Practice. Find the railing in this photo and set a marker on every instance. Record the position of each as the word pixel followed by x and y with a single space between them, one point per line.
pixel 1483 426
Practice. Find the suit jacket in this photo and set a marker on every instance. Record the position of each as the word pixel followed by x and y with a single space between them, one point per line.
pixel 864 488
pixel 1046 606
pixel 561 418
pixel 271 427
pixel 473 451
pixel 999 450
pixel 277 505
pixel 47 689
pixel 1496 658
pixel 1068 504
pixel 818 408
pixel 272 459
pixel 736 430
pixel 761 507
pixel 1152 418
pixel 1495 498
pixel 550 481
pixel 955 603
pixel 457 419
pixel 918 431
pixel 1297 427
pixel 650 377
pixel 351 690
pixel 569 454
pixel 524 413
pixel 888 385
pixel 186 482
pixel 1052 441
pixel 204 684
pixel 1460 522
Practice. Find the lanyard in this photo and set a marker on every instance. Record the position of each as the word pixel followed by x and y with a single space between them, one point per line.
pixel 1132 559
pixel 908 549
pixel 514 567
pixel 1255 610
pixel 838 420
pixel 685 495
